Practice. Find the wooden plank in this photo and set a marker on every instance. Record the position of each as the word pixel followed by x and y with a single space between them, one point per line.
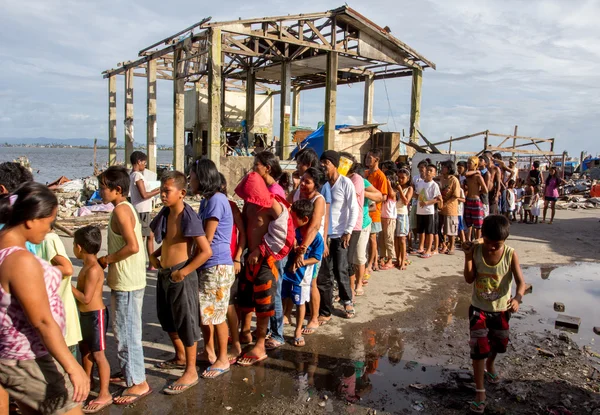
pixel 464 137
pixel 508 150
pixel 318 33
pixel 223 25
pixel 112 121
pixel 368 99
pixel 178 114
pixel 285 109
pixel 520 137
pixel 431 146
pixel 167 39
pixel 215 96
pixel 415 104
pixel 128 116
pixel 151 127
pixel 330 100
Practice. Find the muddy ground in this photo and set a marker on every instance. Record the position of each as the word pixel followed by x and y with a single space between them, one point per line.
pixel 406 352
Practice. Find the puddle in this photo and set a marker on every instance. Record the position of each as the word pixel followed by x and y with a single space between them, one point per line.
pixel 577 286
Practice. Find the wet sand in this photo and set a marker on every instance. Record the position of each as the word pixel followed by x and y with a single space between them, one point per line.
pixel 410 329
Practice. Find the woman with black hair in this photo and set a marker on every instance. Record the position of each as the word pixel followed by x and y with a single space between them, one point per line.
pixel 266 164
pixel 217 275
pixel 553 182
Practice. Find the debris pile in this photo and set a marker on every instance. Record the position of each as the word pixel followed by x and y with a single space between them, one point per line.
pixel 74 194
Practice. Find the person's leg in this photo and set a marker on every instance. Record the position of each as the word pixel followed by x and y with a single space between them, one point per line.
pixel 300 312
pixel 478 374
pixel 390 242
pixel 315 300
pixel 4 405
pixel 428 242
pixel 208 334
pixel 553 208
pixel 245 330
pixel 403 257
pixel 104 394
pixel 339 256
pixel 276 321
pixel 421 241
pixel 325 288
pixel 372 261
pixel 287 308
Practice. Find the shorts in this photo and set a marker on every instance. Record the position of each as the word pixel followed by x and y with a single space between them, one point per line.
pixel 376 227
pixel 489 332
pixel 41 384
pixel 426 224
pixel 550 199
pixel 177 304
pixel 412 215
pixel 461 224
pixel 357 251
pixel 145 222
pixel 486 210
pixel 473 214
pixel 300 294
pixel 233 292
pixel 526 206
pixel 402 225
pixel 93 329
pixel 257 287
pixel 450 225
pixel 214 288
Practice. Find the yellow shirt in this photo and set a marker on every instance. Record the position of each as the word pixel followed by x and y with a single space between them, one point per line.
pixel 130 273
pixel 492 285
pixel 51 247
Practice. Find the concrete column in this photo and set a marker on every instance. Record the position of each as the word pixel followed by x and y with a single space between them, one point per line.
pixel 129 139
pixel 197 124
pixel 285 110
pixel 178 113
pixel 368 99
pixel 296 107
pixel 112 120
pixel 330 100
pixel 215 96
pixel 250 103
pixel 415 104
pixel 151 115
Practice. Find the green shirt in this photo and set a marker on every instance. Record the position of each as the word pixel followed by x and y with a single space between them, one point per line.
pixel 492 285
pixel 366 217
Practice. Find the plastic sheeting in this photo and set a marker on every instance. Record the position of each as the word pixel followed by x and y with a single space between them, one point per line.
pixel 315 140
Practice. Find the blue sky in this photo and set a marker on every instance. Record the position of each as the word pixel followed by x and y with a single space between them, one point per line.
pixel 500 63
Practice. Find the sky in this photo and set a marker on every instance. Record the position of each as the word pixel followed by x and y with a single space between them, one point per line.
pixel 499 64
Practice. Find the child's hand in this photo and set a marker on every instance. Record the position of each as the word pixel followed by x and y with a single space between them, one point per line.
pixel 177 276
pixel 468 248
pixel 237 267
pixel 154 262
pixel 421 203
pixel 513 305
pixel 80 382
pixel 300 250
pixel 253 257
pixel 102 262
pixel 298 263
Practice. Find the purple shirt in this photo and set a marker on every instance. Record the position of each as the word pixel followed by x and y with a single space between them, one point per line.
pixel 218 207
pixel 552 188
pixel 276 189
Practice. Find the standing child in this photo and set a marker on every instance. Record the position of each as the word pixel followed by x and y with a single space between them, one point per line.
pixel 535 204
pixel 178 227
pixel 519 193
pixel 510 197
pixel 491 267
pixel 141 199
pixel 527 199
pixel 388 222
pixel 461 220
pixel 474 208
pixel 94 315
pixel 299 271
pixel 405 192
pixel 429 197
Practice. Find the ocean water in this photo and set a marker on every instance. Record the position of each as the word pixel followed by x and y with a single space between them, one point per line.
pixel 48 164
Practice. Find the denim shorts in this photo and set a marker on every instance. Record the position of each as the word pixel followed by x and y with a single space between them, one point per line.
pixel 376 227
pixel 402 225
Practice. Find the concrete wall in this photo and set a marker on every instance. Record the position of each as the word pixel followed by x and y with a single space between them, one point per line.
pixel 235 111
pixel 234 168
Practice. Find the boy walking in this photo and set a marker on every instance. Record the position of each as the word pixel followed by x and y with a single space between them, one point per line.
pixel 93 313
pixel 126 261
pixel 178 228
pixel 299 270
pixel 429 195
pixel 491 266
pixel 141 199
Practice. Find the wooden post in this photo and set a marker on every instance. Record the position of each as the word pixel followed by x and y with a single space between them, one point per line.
pixel 450 146
pixel 112 120
pixel 250 104
pixel 514 139
pixel 330 100
pixel 178 112
pixel 95 150
pixel 129 138
pixel 485 141
pixel 564 161
pixel 198 124
pixel 214 96
pixel 296 107
pixel 415 104
pixel 285 110
pixel 368 99
pixel 151 115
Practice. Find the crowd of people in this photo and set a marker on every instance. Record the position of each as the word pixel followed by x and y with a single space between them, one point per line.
pixel 310 244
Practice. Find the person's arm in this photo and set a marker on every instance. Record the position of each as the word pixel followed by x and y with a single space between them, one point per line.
pixel 202 254
pixel 29 289
pixel 373 194
pixel 391 192
pixel 482 186
pixel 210 227
pixel 498 180
pixel 63 264
pixel 153 258
pixel 353 217
pixel 515 267
pixel 313 226
pixel 405 199
pixel 142 189
pixel 125 222
pixel 241 239
pixel 89 288
pixel 469 270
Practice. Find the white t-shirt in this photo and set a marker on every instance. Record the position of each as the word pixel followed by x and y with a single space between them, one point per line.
pixel 141 205
pixel 426 191
pixel 461 205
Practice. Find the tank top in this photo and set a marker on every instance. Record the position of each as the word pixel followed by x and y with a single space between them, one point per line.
pixel 388 209
pixel 130 273
pixel 401 208
pixel 491 289
pixel 318 195
pixel 18 338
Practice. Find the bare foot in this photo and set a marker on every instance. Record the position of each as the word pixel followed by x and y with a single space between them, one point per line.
pixel 311 327
pixel 216 369
pixel 140 389
pixel 185 381
pixel 403 266
pixel 205 358
pixel 99 402
pixel 286 320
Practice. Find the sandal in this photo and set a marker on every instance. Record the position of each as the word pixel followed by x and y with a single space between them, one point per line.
pixel 184 386
pixel 350 313
pixel 219 372
pixel 272 344
pixel 417 253
pixel 477 407
pixel 169 364
pixel 360 292
pixel 252 360
pixel 425 256
pixel 86 408
pixel 493 378
pixel 299 341
pixel 136 397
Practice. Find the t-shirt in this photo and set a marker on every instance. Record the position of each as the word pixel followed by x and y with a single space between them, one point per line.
pixel 359 185
pixel 492 286
pixel 551 187
pixel 388 209
pixel 452 188
pixel 461 205
pixel 139 203
pixel 276 189
pixel 519 192
pixel 304 275
pixel 426 191
pixel 218 207
pixel 536 177
pixel 366 217
pixel 47 250
pixel 380 182
pixel 343 211
pixel 326 192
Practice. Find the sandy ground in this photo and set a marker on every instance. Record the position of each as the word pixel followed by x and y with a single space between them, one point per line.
pixel 404 324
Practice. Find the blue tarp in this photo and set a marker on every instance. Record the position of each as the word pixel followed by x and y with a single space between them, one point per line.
pixel 315 140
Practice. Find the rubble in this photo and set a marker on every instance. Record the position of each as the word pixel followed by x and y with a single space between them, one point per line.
pixel 568 322
pixel 559 307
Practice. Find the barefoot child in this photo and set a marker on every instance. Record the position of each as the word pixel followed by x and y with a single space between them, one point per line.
pixel 300 269
pixel 178 227
pixel 93 313
pixel 474 210
pixel 405 192
pixel 491 266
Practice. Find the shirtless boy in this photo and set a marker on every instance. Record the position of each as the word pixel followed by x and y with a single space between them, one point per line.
pixel 178 227
pixel 476 186
pixel 93 314
pixel 270 236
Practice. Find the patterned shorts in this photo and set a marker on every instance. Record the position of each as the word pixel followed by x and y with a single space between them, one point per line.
pixel 474 213
pixel 489 332
pixel 214 285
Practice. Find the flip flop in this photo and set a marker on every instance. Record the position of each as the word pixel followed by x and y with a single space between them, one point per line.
pixel 308 330
pixel 133 395
pixel 118 380
pixel 323 322
pixel 185 386
pixel 360 292
pixel 220 372
pixel 350 314
pixel 169 364
pixel 272 344
pixel 417 253
pixel 425 256
pixel 233 360
pixel 98 409
pixel 493 378
pixel 386 267
pixel 298 340
pixel 477 407
pixel 253 360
